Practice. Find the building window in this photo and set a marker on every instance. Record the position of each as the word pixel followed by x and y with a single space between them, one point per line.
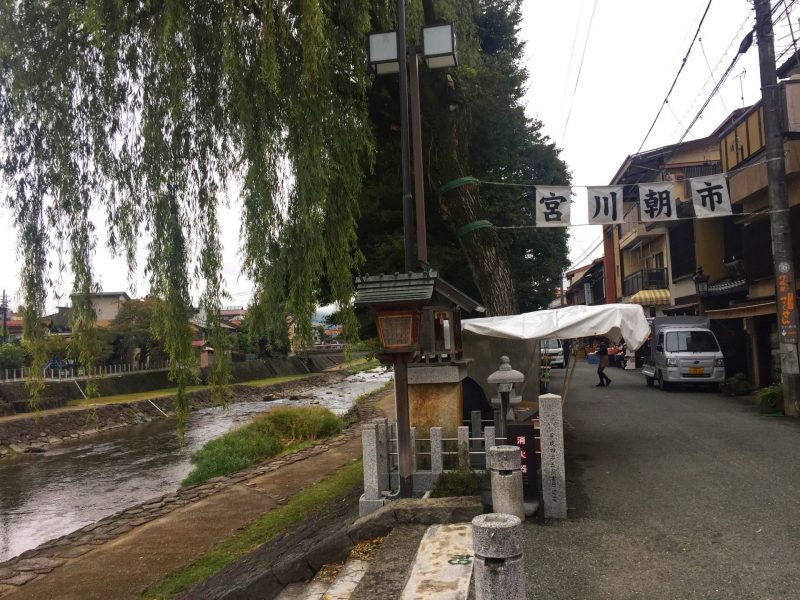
pixel 681 249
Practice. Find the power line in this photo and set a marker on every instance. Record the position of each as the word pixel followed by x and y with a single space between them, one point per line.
pixel 677 75
pixel 580 70
pixel 703 48
pixel 743 47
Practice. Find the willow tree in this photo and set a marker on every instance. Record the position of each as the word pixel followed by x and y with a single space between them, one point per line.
pixel 146 114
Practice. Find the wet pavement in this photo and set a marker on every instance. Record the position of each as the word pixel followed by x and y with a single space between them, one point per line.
pixel 44 496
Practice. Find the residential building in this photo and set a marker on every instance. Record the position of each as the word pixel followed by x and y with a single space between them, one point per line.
pixel 586 284
pixel 106 305
pixel 741 298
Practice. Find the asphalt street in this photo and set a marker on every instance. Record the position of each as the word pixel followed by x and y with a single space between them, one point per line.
pixel 684 494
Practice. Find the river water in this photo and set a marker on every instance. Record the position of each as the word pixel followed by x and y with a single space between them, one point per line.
pixel 47 495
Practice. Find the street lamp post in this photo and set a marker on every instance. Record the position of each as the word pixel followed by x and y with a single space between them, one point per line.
pixel 701 286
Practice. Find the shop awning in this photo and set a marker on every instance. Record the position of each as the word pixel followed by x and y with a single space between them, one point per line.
pixel 651 298
pixel 740 312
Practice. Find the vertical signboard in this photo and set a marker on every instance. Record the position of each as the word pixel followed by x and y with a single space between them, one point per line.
pixel 787 304
pixel 522 435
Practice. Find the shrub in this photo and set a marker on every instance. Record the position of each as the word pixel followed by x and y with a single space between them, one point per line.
pixel 264 437
pixel 737 384
pixel 12 356
pixel 299 424
pixel 464 482
pixel 771 396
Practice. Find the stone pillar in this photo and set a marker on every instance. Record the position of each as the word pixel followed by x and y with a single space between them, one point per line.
pixel 505 471
pixel 554 488
pixel 463 447
pixel 371 499
pixel 489 441
pixel 437 459
pixel 382 427
pixel 499 569
pixel 477 430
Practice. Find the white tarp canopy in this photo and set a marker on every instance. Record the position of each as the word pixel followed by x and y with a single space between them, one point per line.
pixel 610 320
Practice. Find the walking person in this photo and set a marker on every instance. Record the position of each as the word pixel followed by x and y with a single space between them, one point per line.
pixel 602 353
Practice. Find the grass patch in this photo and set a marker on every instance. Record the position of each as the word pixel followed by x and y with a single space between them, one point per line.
pixel 134 396
pixel 261 531
pixel 366 365
pixel 265 436
pixel 275 380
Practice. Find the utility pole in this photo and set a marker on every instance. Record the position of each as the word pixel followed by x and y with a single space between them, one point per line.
pixel 780 227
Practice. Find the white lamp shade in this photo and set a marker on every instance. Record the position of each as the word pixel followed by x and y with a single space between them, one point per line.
pixel 383 52
pixel 439 46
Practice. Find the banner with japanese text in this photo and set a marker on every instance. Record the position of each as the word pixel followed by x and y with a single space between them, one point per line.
pixel 605 205
pixel 553 206
pixel 657 202
pixel 710 196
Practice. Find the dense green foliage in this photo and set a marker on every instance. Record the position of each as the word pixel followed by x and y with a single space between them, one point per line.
pixel 263 437
pixel 12 356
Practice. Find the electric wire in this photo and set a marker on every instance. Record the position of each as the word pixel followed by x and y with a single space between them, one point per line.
pixel 580 70
pixel 677 75
pixel 711 73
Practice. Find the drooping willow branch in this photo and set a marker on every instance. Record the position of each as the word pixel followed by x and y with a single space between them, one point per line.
pixel 147 112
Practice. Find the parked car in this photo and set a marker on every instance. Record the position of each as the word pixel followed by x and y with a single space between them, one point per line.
pixel 683 350
pixel 552 352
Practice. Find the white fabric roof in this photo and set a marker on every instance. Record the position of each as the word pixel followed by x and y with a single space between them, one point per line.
pixel 610 320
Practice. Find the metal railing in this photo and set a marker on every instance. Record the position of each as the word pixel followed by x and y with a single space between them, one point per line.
pixel 72 373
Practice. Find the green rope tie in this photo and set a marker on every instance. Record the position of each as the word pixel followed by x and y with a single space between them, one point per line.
pixel 465 229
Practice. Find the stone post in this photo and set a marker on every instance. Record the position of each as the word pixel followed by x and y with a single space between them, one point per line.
pixel 477 430
pixel 382 425
pixel 554 489
pixel 505 471
pixel 437 459
pixel 463 447
pixel 371 499
pixel 489 441
pixel 499 569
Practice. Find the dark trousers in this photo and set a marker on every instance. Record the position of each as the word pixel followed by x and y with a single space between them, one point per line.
pixel 604 379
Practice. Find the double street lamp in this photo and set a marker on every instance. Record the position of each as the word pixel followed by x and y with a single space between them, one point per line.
pixel 389 53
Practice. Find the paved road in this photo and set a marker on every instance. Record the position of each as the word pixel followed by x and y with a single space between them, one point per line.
pixel 680 494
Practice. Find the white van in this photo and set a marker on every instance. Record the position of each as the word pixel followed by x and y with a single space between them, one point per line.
pixel 683 350
pixel 552 352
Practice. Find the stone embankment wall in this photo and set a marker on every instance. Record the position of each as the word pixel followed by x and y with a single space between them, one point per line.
pixel 37 432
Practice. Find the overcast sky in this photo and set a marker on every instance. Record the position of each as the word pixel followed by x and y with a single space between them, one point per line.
pixel 629 57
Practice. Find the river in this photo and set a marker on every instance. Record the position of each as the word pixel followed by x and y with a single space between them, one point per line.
pixel 48 495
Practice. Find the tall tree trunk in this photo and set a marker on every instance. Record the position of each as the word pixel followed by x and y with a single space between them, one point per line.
pixel 449 160
pixel 483 249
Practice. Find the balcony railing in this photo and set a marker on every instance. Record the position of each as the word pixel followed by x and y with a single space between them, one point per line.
pixel 646 279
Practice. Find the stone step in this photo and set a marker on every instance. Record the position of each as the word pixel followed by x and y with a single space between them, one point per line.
pixel 388 571
pixel 346 581
pixel 312 590
pixel 443 565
